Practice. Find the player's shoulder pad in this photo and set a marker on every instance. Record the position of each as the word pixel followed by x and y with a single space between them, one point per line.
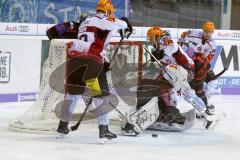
pixel 166 33
pixel 195 33
pixel 213 43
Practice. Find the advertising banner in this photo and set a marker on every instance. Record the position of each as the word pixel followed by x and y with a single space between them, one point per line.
pixel 21 60
pixel 228 58
pixel 19 69
pixel 51 11
pixel 18 29
pixel 5 61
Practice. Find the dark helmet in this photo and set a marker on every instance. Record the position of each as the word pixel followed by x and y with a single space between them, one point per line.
pixel 83 16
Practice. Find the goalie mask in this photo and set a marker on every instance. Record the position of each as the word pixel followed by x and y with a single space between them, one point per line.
pixel 208 29
pixel 105 6
pixel 154 34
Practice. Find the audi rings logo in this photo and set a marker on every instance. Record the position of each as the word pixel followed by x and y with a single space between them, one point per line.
pixel 235 34
pixel 23 28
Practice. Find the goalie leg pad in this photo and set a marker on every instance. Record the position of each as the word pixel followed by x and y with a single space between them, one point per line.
pixel 189 122
pixel 145 116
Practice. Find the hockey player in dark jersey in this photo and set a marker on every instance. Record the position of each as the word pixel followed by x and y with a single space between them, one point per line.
pixel 66 30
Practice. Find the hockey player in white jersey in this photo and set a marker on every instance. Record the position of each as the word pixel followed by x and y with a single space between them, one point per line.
pixel 168 53
pixel 182 75
pixel 202 48
pixel 177 68
pixel 93 36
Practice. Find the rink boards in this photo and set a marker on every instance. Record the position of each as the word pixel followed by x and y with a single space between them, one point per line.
pixel 21 60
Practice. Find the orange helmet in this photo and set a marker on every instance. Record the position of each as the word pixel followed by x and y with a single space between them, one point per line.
pixel 154 32
pixel 106 6
pixel 208 27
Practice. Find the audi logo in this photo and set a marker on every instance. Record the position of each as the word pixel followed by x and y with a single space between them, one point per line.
pixel 235 34
pixel 23 28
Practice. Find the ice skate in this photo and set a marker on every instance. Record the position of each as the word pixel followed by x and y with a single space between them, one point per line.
pixel 212 119
pixel 62 129
pixel 106 136
pixel 128 130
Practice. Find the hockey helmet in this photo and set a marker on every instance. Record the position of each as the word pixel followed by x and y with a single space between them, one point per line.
pixel 83 16
pixel 154 34
pixel 208 29
pixel 106 6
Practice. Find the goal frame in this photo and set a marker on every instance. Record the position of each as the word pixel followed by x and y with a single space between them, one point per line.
pixel 18 124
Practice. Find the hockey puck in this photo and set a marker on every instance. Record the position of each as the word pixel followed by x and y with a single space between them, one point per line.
pixel 154 135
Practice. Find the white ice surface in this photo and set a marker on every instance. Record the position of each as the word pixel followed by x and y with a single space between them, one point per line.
pixel 222 143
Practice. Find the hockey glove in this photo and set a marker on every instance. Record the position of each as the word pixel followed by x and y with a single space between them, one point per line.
pixel 52 33
pixel 106 66
pixel 83 17
pixel 128 31
pixel 157 54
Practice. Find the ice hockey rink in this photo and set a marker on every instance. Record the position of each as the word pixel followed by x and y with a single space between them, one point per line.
pixel 222 143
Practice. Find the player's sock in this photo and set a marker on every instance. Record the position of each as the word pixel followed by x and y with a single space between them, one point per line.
pixel 105 135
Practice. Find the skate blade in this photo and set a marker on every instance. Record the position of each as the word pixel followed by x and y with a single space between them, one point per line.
pixel 60 135
pixel 108 141
pixel 216 117
pixel 210 125
pixel 131 134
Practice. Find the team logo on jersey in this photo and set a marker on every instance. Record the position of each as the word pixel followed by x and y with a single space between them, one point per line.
pixel 199 49
pixel 82 29
pixel 168 42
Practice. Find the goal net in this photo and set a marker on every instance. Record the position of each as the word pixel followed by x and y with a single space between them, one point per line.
pixel 126 70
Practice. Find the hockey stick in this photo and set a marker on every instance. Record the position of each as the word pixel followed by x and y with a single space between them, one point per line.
pixel 119 45
pixel 216 76
pixel 159 63
pixel 122 116
pixel 75 127
pixel 146 62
